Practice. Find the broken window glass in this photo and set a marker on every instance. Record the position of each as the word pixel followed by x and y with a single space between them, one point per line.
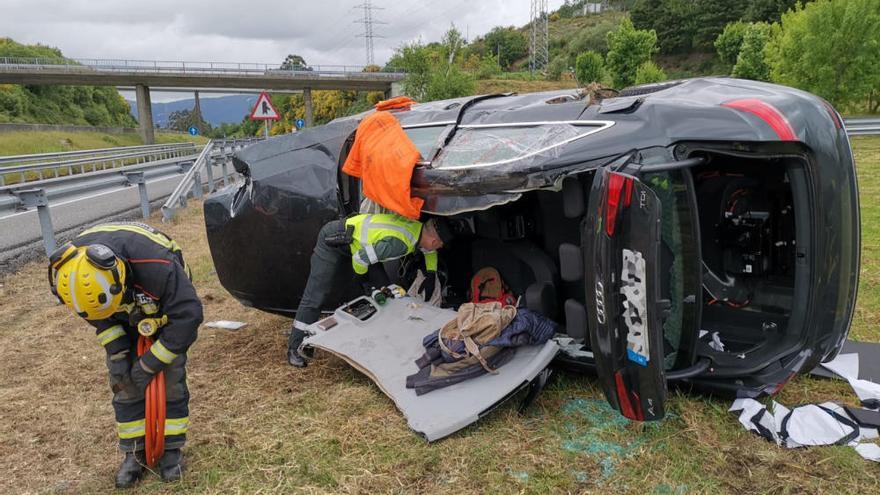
pixel 495 145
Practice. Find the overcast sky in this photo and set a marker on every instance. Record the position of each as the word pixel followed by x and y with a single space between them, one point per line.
pixel 262 31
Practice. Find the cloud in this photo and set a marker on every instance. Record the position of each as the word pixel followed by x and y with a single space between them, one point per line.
pixel 258 31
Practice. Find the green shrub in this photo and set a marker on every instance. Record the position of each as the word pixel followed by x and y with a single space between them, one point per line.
pixel 730 40
pixel 628 49
pixel 750 63
pixel 554 69
pixel 649 73
pixel 589 68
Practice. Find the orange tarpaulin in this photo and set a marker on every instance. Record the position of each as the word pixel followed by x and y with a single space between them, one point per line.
pixel 384 157
pixel 397 103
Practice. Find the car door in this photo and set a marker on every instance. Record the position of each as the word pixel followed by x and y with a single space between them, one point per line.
pixel 621 240
pixel 262 231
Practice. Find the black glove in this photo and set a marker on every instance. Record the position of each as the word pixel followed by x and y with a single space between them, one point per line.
pixel 341 238
pixel 428 285
pixel 119 366
pixel 140 377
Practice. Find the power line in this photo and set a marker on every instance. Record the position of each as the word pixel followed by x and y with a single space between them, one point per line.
pixel 368 22
pixel 539 50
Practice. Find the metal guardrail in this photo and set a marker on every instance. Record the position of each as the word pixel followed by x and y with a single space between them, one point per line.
pixel 862 126
pixel 39 194
pixel 28 171
pixel 171 66
pixel 22 159
pixel 192 180
pixel 192 177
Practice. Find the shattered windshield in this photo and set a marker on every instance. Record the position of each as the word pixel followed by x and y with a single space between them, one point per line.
pixel 425 138
pixel 485 146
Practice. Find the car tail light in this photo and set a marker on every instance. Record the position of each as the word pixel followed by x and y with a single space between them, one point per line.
pixel 625 401
pixel 619 187
pixel 766 112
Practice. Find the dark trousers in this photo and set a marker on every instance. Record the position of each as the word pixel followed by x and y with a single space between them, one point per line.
pixel 328 263
pixel 129 406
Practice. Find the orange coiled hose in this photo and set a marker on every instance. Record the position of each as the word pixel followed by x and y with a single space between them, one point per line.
pixel 155 410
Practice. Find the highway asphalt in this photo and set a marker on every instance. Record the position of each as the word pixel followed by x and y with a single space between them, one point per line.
pixel 22 229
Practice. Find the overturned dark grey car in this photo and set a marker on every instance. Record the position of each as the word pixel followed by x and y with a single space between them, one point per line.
pixel 703 231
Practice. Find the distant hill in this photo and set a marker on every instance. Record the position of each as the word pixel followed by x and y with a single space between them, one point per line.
pixel 215 111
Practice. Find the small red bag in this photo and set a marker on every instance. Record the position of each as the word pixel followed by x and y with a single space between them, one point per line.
pixel 488 286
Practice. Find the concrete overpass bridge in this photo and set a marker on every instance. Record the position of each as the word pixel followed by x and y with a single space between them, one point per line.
pixel 146 74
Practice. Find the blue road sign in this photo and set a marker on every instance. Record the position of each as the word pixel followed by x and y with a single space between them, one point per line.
pixel 194 131
pixel 300 123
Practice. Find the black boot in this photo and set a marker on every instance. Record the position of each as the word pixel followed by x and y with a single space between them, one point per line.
pixel 131 469
pixel 293 356
pixel 171 465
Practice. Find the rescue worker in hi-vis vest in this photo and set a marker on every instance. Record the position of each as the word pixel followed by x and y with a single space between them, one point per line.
pixel 362 242
pixel 123 278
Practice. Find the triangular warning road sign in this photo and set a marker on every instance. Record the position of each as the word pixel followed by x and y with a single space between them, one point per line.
pixel 264 110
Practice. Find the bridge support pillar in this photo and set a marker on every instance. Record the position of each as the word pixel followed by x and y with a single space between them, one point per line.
pixel 145 113
pixel 395 90
pixel 307 102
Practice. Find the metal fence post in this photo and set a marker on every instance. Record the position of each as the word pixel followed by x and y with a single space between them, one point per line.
pixel 209 170
pixel 37 198
pixel 197 186
pixel 225 171
pixel 138 178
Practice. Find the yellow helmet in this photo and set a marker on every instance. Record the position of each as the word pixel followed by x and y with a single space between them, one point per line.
pixel 87 279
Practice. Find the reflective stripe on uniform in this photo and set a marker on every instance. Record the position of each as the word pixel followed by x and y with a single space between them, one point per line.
pixel 371 253
pixel 369 224
pixel 370 228
pixel 131 429
pixel 111 334
pixel 153 236
pixel 162 353
pixel 176 426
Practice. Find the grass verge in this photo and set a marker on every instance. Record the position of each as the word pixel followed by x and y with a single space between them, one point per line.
pixel 30 142
pixel 259 426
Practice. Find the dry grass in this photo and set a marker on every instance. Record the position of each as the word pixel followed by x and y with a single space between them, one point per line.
pixel 259 426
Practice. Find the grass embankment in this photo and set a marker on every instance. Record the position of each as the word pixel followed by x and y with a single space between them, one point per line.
pixel 259 426
pixel 30 142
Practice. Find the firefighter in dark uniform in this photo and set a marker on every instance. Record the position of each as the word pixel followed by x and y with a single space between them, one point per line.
pixel 118 276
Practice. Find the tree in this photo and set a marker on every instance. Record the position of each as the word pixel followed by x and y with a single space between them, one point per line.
pixel 710 18
pixel 182 120
pixel 768 11
pixel 686 25
pixel 434 72
pixel 628 49
pixel 507 44
pixel 649 73
pixel 672 20
pixel 589 68
pixel 730 41
pixel 750 62
pixel 294 62
pixel 829 47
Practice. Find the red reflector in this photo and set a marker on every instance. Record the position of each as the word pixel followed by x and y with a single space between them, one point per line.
pixel 626 407
pixel 768 113
pixel 617 185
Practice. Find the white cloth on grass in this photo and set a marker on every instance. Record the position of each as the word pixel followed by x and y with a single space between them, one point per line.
pixel 815 424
